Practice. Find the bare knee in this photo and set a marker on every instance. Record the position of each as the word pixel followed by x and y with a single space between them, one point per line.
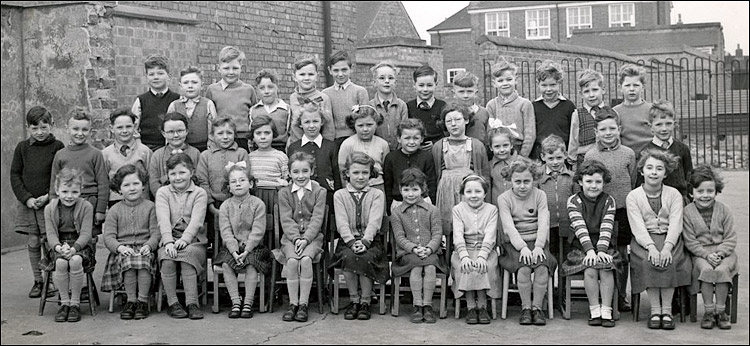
pixel 76 262
pixel 33 241
pixel 591 274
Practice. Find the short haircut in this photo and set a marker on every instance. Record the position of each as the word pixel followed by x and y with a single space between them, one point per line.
pixel 221 121
pixel 230 53
pixel 705 173
pixel 454 106
pixel 341 55
pixel 474 177
pixel 38 114
pixel 410 124
pixel 69 176
pixel 519 165
pixel 174 116
pixel 591 167
pixel 364 111
pixel 384 63
pixel 79 113
pixel 630 70
pixel 180 159
pixel 669 160
pixel 466 80
pixel 361 158
pixel 309 107
pixel 425 70
pixel 156 60
pixel 238 168
pixel 261 120
pixel 191 69
pixel 587 76
pixel 302 156
pixel 605 113
pixel 501 65
pixel 661 109
pixel 270 74
pixel 552 143
pixel 304 60
pixel 549 69
pixel 125 111
pixel 414 176
pixel 124 171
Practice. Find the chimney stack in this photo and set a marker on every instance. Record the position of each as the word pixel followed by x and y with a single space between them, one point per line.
pixel 679 19
pixel 738 52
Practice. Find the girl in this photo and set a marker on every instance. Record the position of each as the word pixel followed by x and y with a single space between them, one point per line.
pixel 501 144
pixel 710 236
pixel 174 127
pixel 364 119
pixel 657 263
pixel 270 104
pixel 270 166
pixel 68 221
pixel 525 218
pixel 417 229
pixel 592 217
pixel 302 210
pixel 131 233
pixel 474 260
pixel 242 218
pixel 306 77
pixel 455 157
pixel 180 210
pixel 359 214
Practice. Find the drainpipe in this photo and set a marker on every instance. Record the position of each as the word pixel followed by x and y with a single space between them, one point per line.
pixel 327 38
pixel 557 13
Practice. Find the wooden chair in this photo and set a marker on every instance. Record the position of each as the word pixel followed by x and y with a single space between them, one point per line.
pixel 681 294
pixel 47 275
pixel 457 301
pixel 318 267
pixel 202 289
pixel 506 288
pixel 731 302
pixel 119 293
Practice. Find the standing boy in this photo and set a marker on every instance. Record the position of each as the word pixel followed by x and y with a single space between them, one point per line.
pixel 633 111
pixel 661 117
pixel 465 91
pixel 583 120
pixel 426 107
pixel 271 105
pixel 150 106
pixel 125 150
pixel 386 103
pixel 510 110
pixel 553 112
pixel 344 93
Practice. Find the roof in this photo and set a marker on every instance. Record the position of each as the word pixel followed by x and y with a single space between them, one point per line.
pixel 631 40
pixel 366 11
pixel 376 19
pixel 481 5
pixel 459 20
pixel 552 46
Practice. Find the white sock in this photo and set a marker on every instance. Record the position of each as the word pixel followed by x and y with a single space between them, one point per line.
pixel 596 311
pixel 606 312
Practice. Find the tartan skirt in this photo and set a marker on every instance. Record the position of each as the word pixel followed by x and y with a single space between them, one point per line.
pixel 260 259
pixel 372 263
pixel 48 263
pixel 510 259
pixel 118 264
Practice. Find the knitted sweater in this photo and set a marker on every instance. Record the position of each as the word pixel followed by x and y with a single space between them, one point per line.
pixel 234 102
pixel 644 221
pixel 472 226
pixel 31 167
pixel 518 111
pixel 270 167
pixel 280 115
pixel 211 173
pixel 83 216
pixel 302 218
pixel 592 217
pixel 428 117
pixel 620 161
pixel 524 219
pixel 396 162
pixel 377 148
pixel 479 128
pixel 415 225
pixel 636 131
pixel 369 213
pixel 131 224
pixel 558 190
pixel 242 221
pixel 323 101
pixel 139 156
pixel 341 105
pixel 90 162
pixel 392 118
pixel 701 239
pixel 187 207
pixel 157 167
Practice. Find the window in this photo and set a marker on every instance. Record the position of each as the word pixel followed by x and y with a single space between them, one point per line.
pixel 578 18
pixel 452 73
pixel 497 24
pixel 537 24
pixel 622 15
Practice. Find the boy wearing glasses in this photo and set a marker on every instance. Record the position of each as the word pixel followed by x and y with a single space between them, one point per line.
pixel 174 127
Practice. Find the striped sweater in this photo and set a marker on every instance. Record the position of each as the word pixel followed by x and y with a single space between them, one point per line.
pixel 589 217
pixel 270 167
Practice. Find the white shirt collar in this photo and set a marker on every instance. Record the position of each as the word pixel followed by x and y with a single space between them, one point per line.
pixel 588 108
pixel 343 86
pixel 318 140
pixel 300 190
pixel 660 143
pixel 224 84
pixel 559 97
pixel 272 108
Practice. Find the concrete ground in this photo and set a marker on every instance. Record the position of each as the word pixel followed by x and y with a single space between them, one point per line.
pixel 22 325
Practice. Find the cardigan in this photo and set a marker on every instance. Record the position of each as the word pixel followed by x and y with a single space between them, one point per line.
pixel 173 207
pixel 326 162
pixel 131 224
pixel 518 111
pixel 524 219
pixel 396 162
pixel 592 217
pixel 242 220
pixel 157 167
pixel 418 224
pixel 698 235
pixel 302 218
pixel 392 118
pixel 234 101
pixel 211 173
pixel 472 226
pixel 31 167
pixel 83 215
pixel 323 101
pixel 371 210
pixel 341 105
pixel 139 156
pixel 620 161
pixel 558 189
pixel 643 220
pixel 478 158
pixel 90 162
pixel 376 148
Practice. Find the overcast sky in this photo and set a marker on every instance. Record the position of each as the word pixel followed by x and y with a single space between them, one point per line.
pixel 733 15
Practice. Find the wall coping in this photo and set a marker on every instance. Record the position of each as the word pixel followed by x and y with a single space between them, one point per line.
pixel 153 14
pixel 551 46
pixel 31 4
pixel 398 63
pixel 395 41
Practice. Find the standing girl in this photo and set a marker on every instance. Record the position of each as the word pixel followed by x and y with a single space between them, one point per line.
pixel 474 260
pixel 131 234
pixel 501 144
pixel 364 119
pixel 302 210
pixel 658 263
pixel 270 166
pixel 359 214
pixel 180 210
pixel 306 77
pixel 455 157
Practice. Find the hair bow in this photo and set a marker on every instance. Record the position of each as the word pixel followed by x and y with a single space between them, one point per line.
pixel 495 123
pixel 474 109
pixel 231 164
pixel 355 109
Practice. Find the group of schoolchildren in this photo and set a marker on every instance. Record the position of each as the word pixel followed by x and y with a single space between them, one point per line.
pixel 419 170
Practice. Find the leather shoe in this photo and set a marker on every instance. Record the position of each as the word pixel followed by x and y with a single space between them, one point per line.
pixel 194 312
pixel 351 311
pixel 75 313
pixel 235 312
pixel 62 314
pixel 36 290
pixel 722 320
pixel 623 305
pixel 247 311
pixel 416 315
pixel 290 313
pixel 537 317
pixel 472 317
pixel 301 315
pixel 177 311
pixel 608 322
pixel 708 321
pixel 525 319
pixel 654 322
pixel 429 315
pixel 597 321
pixel 128 311
pixel 141 310
pixel 483 316
pixel 667 322
pixel 364 311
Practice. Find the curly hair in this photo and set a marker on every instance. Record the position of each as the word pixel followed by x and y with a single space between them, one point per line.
pixel 591 167
pixel 501 65
pixel 661 109
pixel 454 106
pixel 245 170
pixel 552 143
pixel 705 173
pixel 125 171
pixel 362 112
pixel 519 165
pixel 500 131
pixel 549 69
pixel 669 159
pixel 630 70
pixel 311 108
pixel 221 121
pixel 361 158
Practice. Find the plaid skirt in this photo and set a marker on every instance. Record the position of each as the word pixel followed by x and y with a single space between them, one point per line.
pixel 372 263
pixel 509 258
pixel 48 263
pixel 118 264
pixel 260 259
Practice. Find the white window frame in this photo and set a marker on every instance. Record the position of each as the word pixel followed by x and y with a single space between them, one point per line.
pixel 498 18
pixel 537 26
pixel 580 24
pixel 621 21
pixel 455 71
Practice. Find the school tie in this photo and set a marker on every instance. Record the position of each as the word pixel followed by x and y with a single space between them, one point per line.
pixel 665 145
pixel 124 150
pixel 424 106
pixel 386 104
pixel 595 110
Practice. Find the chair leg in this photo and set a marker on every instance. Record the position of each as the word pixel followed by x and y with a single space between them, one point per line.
pixel 273 287
pixel 615 304
pixel 319 279
pixel 550 299
pixel 262 307
pixel 112 296
pixel 684 302
pixel 506 283
pixel 335 300
pixel 214 306
pixel 160 297
pixel 458 307
pixel 635 302
pixel 382 299
pixel 693 308
pixel 43 299
pixel 204 286
pixel 92 293
pixel 735 295
pixel 443 297
pixel 494 308
pixel 395 295
pixel 567 303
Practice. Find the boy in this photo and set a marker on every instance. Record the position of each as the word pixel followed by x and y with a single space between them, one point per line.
pixel 553 111
pixel 30 176
pixel 465 91
pixel 557 182
pixel 233 97
pixel 344 94
pixel 410 134
pixel 661 117
pixel 125 150
pixel 174 127
pixel 200 111
pixel 620 160
pixel 271 105
pixel 426 107
pixel 583 123
pixel 149 106
pixel 634 111
pixel 389 106
pixel 510 110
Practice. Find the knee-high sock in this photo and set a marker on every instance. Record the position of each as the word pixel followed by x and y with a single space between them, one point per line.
pixel 654 297
pixel 306 279
pixel 366 284
pixel 169 280
pixel 541 277
pixel 130 281
pixel 352 283
pixel 666 299
pixel 251 282
pixel 292 280
pixel 189 283
pixel 230 279
pixel 77 278
pixel 415 282
pixel 62 280
pixel 430 279
pixel 144 285
pixel 35 255
pixel 523 276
